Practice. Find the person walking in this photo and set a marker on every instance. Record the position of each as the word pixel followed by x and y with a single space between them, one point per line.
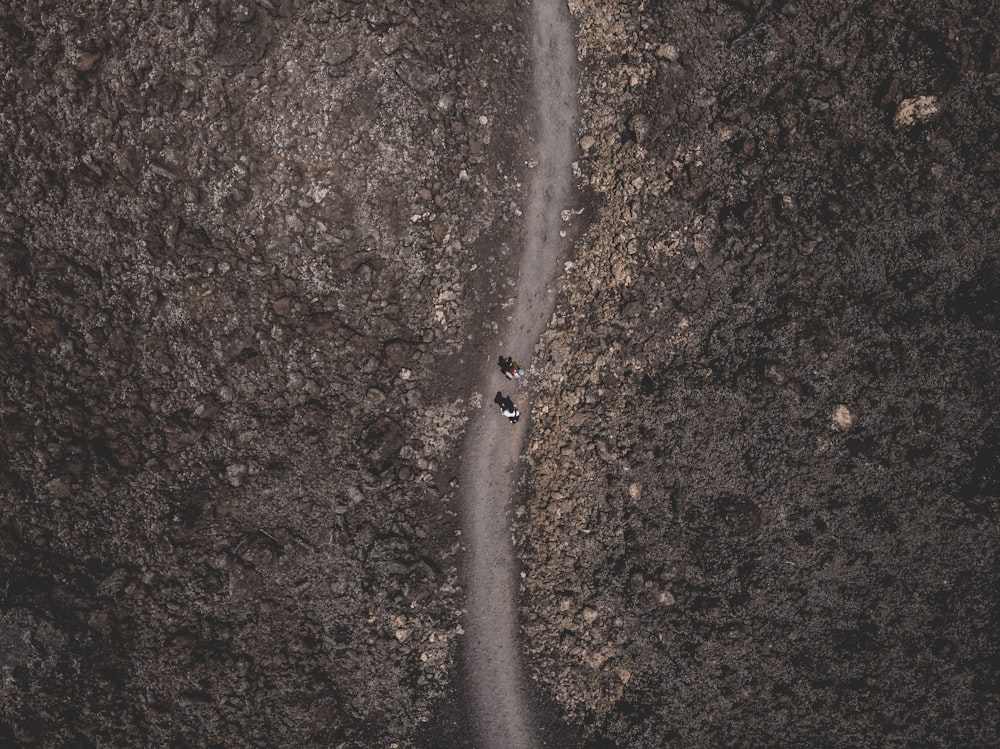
pixel 507 407
pixel 509 367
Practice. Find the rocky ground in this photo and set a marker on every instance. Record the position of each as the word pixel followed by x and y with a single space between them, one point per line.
pixel 241 243
pixel 763 490
pixel 247 247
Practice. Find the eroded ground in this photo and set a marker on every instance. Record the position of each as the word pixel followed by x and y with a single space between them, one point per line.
pixel 762 508
pixel 247 246
pixel 242 243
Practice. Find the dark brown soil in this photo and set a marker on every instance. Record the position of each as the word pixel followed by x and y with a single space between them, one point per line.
pixel 249 247
pixel 763 511
pixel 242 242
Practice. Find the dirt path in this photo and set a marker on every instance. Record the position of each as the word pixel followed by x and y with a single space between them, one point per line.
pixel 493 446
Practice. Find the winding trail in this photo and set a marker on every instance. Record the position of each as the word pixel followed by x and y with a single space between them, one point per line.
pixel 492 446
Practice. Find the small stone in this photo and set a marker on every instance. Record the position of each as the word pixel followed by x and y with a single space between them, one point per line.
pixel 640 125
pixel 917 109
pixel 667 52
pixel 339 50
pixel 842 418
pixel 235 474
pixel 595 660
pixel 87 62
pixel 59 487
pixel 402 634
pixel 667 598
pixel 589 615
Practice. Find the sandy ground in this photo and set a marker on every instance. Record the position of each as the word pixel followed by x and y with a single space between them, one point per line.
pixel 492 445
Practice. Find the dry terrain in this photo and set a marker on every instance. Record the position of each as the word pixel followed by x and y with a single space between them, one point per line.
pixel 257 253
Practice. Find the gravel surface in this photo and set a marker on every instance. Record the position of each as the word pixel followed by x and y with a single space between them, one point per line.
pixel 492 448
